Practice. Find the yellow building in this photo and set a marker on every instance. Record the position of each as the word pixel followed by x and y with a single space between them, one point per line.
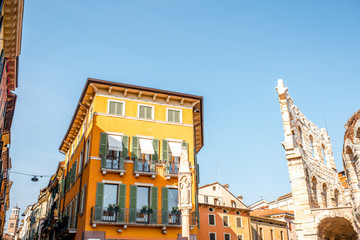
pixel 10 45
pixel 264 228
pixel 122 154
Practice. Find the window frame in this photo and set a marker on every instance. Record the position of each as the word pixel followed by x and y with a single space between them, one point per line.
pixel 209 220
pixel 174 109
pixel 117 101
pixel 228 235
pixel 241 222
pixel 241 236
pixel 87 150
pixel 228 221
pixel 152 111
pixel 212 233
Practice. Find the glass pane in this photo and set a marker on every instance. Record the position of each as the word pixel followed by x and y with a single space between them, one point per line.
pixel 110 194
pixel 142 198
pixel 171 115
pixel 142 111
pixel 173 198
pixel 112 108
pixel 149 112
pixel 119 109
pixel 177 116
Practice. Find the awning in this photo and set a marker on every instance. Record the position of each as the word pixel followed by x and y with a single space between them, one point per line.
pixel 175 148
pixel 146 146
pixel 115 143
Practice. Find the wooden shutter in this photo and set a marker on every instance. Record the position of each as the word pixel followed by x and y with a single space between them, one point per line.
pixel 164 205
pixel 197 172
pixel 103 149
pixel 99 200
pixel 121 203
pixel 135 148
pixel 155 156
pixel 112 107
pixel 132 209
pixel 154 205
pixel 125 145
pixel 165 151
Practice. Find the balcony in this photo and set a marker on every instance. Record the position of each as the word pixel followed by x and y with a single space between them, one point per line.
pixel 144 167
pixel 63 229
pixel 114 165
pixel 171 170
pixel 138 217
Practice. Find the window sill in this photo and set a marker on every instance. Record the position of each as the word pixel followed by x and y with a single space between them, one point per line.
pixel 106 170
pixel 171 175
pixel 138 173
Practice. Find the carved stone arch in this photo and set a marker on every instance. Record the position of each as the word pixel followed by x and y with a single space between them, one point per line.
pixel 336 198
pixel 314 203
pixel 335 225
pixel 324 195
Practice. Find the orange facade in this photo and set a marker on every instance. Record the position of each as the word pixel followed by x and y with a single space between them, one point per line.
pixel 122 162
pixel 224 223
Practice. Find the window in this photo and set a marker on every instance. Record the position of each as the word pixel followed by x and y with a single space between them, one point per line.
pixel 90 114
pixel 212 236
pixel 82 199
pixel 281 235
pixel 211 220
pixel 261 234
pixel 74 220
pixel 233 204
pixel 147 151
pixel 271 234
pixel 216 201
pixel 142 201
pixel 110 194
pixel 237 213
pixel 224 211
pixel 87 158
pixel 239 222
pixel 227 236
pixel 312 146
pixel 206 199
pixel 174 115
pixel 211 209
pixel 11 225
pixel 116 108
pixel 81 161
pixel 240 237
pixel 214 188
pixel 226 221
pixel 146 111
pixel 174 156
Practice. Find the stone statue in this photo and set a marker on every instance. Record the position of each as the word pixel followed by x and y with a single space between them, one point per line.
pixel 185 190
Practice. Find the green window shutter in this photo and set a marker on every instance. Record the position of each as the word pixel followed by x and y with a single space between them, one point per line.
pixel 142 111
pixel 99 200
pixel 164 205
pixel 125 145
pixel 132 209
pixel 165 151
pixel 121 203
pixel 103 149
pixel 135 147
pixel 154 205
pixel 197 210
pixel 156 149
pixel 83 198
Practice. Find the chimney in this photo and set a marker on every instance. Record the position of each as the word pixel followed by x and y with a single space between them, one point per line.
pixel 226 186
pixel 240 197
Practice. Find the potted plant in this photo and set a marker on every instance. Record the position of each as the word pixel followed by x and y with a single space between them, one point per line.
pixel 175 211
pixel 146 210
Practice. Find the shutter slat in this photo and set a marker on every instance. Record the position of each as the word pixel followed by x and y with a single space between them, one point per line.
pixel 121 203
pixel 125 145
pixel 165 151
pixel 103 149
pixel 135 148
pixel 164 205
pixel 132 209
pixel 154 204
pixel 99 201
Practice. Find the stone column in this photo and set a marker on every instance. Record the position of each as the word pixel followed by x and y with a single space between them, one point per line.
pixel 184 185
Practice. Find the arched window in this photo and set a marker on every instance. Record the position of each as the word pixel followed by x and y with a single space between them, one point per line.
pixel 336 198
pixel 324 195
pixel 300 136
pixel 312 145
pixel 314 201
pixel 323 153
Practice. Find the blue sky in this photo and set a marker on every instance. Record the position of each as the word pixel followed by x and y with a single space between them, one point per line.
pixel 231 52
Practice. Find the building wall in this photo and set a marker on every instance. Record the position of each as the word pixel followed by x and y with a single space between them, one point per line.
pixel 219 229
pixel 316 188
pixel 221 193
pixel 265 229
pixel 99 121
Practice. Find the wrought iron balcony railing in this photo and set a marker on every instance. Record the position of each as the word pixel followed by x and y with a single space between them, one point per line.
pixel 132 216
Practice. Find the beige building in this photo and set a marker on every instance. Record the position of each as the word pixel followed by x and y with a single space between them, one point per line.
pixel 268 229
pixel 284 202
pixel 322 209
